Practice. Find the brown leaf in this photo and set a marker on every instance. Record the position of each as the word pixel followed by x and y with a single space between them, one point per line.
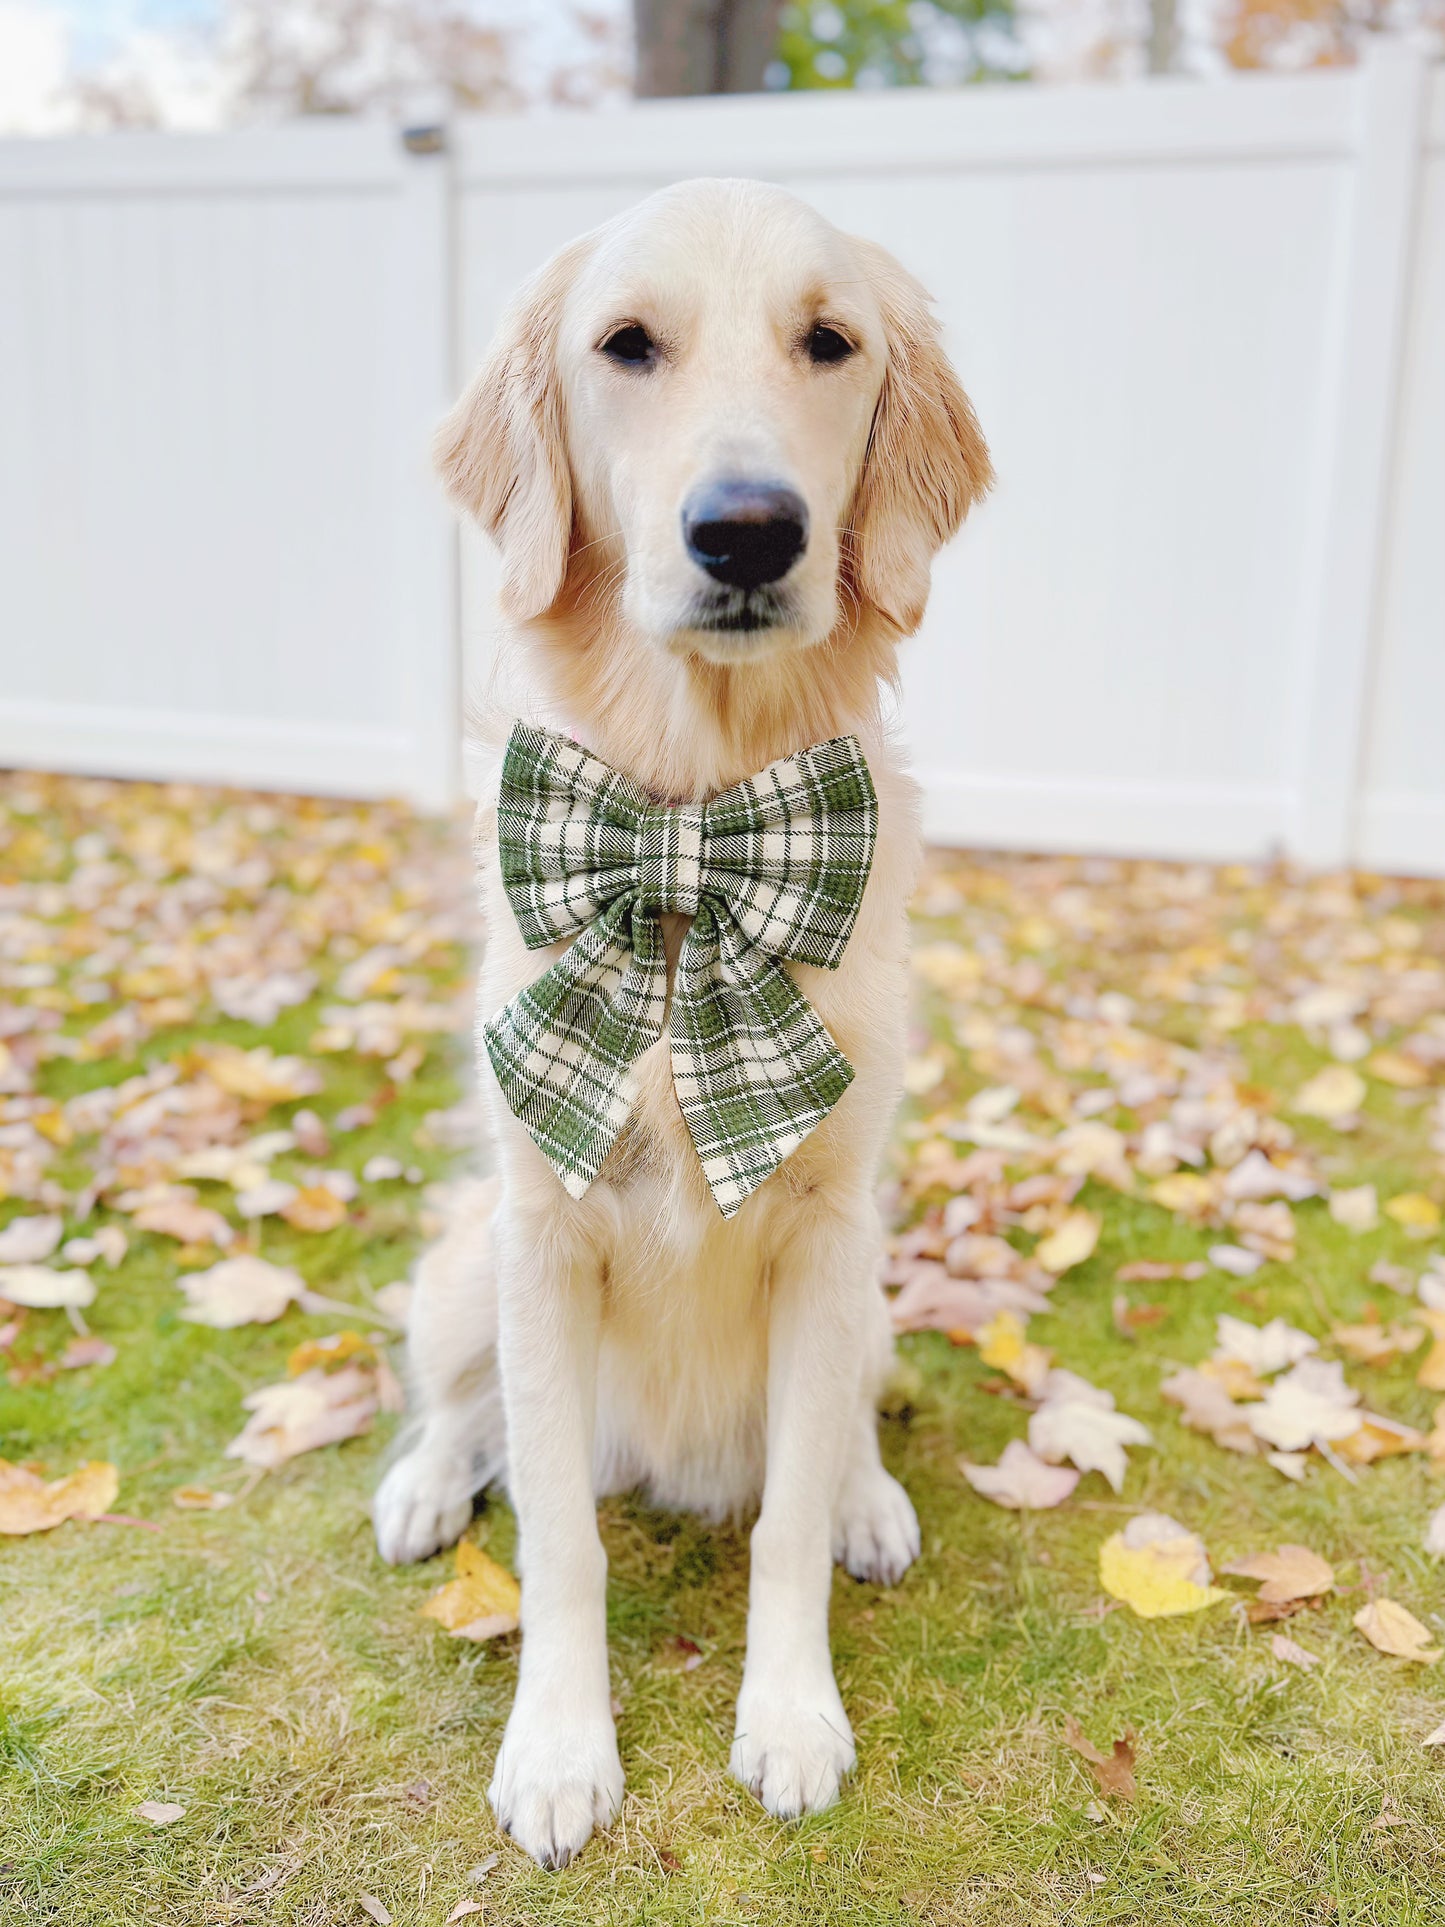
pixel 28 1504
pixel 1393 1630
pixel 1113 1772
pixel 314 1208
pixel 1294 1572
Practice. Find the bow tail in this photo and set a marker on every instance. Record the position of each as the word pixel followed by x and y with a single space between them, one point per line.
pixel 563 1049
pixel 754 1067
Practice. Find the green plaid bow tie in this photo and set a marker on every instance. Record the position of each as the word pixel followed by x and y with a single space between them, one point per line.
pixel 772 868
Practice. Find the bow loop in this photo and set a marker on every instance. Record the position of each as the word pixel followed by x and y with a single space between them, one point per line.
pixel 773 868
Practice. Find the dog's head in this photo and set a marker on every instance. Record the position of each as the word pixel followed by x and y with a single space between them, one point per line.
pixel 736 415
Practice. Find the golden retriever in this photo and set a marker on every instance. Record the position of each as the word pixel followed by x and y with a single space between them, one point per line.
pixel 718 444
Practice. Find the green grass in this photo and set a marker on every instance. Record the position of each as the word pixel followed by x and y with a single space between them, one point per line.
pixel 262 1668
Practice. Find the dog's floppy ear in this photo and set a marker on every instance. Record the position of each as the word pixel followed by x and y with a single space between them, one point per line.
pixel 927 462
pixel 502 451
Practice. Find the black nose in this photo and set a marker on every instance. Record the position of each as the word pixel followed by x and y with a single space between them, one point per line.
pixel 745 533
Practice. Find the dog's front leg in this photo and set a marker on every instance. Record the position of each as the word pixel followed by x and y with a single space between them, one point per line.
pixel 557 1774
pixel 793 1742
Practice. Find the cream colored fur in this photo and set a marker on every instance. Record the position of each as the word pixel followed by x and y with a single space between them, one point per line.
pixel 642 1340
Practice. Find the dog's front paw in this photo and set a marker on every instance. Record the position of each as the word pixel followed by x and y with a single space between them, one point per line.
pixel 420 1506
pixel 875 1529
pixel 792 1750
pixel 555 1781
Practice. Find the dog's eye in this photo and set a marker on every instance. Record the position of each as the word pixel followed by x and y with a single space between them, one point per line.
pixel 827 344
pixel 631 345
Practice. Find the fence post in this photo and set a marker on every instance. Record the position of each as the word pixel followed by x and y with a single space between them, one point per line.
pixel 428 622
pixel 1343 581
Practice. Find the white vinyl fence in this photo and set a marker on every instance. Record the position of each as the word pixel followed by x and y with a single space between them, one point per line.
pixel 1204 328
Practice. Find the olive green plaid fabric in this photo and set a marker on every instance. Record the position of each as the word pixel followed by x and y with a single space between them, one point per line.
pixel 772 868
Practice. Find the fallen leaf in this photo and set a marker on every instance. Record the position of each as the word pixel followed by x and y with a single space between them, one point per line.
pixel 1310 1403
pixel 1021 1480
pixel 28 1504
pixel 1393 1067
pixel 29 1241
pixel 1001 1344
pixel 1292 1653
pixel 304 1413
pixel 1418 1214
pixel 1265 1349
pixel 1333 1093
pixel 1437 1738
pixel 239 1291
pixel 1207 1407
pixel 1294 1572
pixel 314 1208
pixel 200 1498
pixel 1113 1772
pixel 1072 1242
pixel 1435 1533
pixel 40 1288
pixel 83 1352
pixel 1378 1438
pixel 482 1602
pixel 374 1909
pixel 1393 1630
pixel 160 1813
pixel 1157 1567
pixel 190 1224
pixel 1086 1431
pixel 1377 1344
pixel 258 1075
pixel 1357 1209
pixel 1158 1271
pixel 462 1909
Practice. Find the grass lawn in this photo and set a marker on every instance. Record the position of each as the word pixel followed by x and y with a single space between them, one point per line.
pixel 259 1667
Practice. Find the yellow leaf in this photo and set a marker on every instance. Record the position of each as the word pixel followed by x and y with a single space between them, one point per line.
pixel 314 1208
pixel 1392 1067
pixel 1377 1439
pixel 1185 1193
pixel 28 1504
pixel 1331 1094
pixel 483 1601
pixel 1071 1243
pixel 1158 1568
pixel 1414 1211
pixel 339 1349
pixel 1001 1340
pixel 1393 1630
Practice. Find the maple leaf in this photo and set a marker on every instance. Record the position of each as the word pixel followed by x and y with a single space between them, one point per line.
pixel 1021 1480
pixel 239 1291
pixel 482 1602
pixel 301 1414
pixel 1265 1349
pixel 1294 1572
pixel 28 1504
pixel 1310 1403
pixel 1207 1407
pixel 1158 1568
pixel 1078 1422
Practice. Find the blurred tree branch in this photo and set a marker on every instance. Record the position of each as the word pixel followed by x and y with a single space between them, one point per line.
pixel 703 46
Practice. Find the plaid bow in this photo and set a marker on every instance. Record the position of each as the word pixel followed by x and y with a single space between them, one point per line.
pixel 774 867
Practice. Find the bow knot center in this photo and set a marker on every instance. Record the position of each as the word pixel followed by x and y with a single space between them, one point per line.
pixel 669 859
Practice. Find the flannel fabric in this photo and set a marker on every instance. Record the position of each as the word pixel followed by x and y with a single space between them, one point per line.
pixel 773 868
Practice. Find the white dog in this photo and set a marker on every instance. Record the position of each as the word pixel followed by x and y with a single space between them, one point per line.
pixel 718 445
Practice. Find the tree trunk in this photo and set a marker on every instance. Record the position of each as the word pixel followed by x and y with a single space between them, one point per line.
pixel 1163 35
pixel 703 46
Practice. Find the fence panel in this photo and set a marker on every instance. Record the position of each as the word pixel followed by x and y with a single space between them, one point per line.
pixel 220 552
